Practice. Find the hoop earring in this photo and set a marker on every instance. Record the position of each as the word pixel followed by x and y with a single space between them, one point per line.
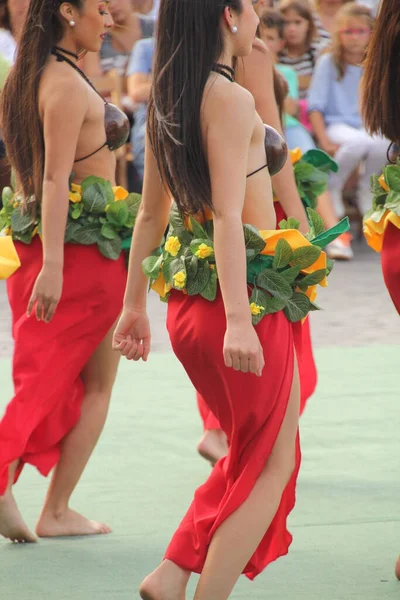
pixel 234 29
pixel 72 23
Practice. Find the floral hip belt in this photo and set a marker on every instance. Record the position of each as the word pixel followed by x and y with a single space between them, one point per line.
pixel 385 205
pixel 283 266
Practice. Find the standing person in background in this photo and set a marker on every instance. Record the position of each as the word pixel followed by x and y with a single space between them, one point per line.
pixel 335 108
pixel 324 17
pixel 12 19
pixel 139 89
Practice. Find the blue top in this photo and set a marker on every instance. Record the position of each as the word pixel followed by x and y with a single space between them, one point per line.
pixel 337 100
pixel 291 78
pixel 141 61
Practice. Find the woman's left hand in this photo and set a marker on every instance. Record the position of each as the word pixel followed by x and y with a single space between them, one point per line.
pixel 132 335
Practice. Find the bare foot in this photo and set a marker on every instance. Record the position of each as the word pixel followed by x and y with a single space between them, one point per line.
pixel 397 568
pixel 12 525
pixel 167 582
pixel 68 523
pixel 213 445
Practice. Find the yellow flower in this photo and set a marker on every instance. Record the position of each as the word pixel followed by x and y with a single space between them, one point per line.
pixel 76 188
pixel 120 193
pixel 75 197
pixel 295 155
pixel 173 245
pixel 204 251
pixel 16 204
pixel 212 267
pixel 7 231
pixel 256 309
pixel 160 286
pixel 179 280
pixel 383 183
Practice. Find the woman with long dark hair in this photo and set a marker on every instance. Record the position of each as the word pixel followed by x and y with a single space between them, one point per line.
pixel 381 112
pixel 65 297
pixel 206 150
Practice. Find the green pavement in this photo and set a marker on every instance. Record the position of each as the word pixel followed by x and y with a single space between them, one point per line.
pixel 346 524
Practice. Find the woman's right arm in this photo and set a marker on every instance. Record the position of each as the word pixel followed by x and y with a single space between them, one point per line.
pixel 230 115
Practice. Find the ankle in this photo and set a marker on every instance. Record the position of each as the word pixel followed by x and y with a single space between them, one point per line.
pixel 56 511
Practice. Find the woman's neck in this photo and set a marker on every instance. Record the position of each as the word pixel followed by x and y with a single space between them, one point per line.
pixel 67 44
pixel 226 59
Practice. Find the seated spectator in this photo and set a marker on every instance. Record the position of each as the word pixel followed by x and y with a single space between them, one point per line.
pixel 334 106
pixel 324 17
pixel 129 27
pixel 302 47
pixel 139 88
pixel 271 32
pixel 12 19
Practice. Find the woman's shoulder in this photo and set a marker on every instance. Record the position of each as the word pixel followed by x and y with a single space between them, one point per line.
pixel 58 80
pixel 229 102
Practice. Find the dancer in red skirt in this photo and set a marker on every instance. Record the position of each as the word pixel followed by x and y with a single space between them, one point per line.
pixel 206 149
pixel 381 108
pixel 256 74
pixel 65 298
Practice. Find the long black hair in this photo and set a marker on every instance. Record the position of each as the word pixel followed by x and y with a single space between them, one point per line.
pixel 188 42
pixel 21 125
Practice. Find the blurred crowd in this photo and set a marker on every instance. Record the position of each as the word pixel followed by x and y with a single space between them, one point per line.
pixel 318 47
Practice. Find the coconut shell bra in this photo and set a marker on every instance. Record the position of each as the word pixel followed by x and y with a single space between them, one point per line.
pixel 116 123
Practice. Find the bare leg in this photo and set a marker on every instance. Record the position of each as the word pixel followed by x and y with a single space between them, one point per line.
pixel 213 445
pixel 397 568
pixel 12 525
pixel 236 540
pixel 57 519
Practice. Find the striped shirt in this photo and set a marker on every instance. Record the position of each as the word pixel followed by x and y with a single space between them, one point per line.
pixel 303 65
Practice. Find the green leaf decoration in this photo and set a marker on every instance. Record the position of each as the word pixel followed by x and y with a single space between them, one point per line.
pixel 20 222
pixel 325 238
pixel 118 213
pixel 321 160
pixel 92 180
pixel 7 196
pixel 87 234
pixel 133 203
pixel 290 274
pixel 196 243
pixel 250 254
pixel 293 223
pixel 25 237
pixel 175 217
pixel 306 256
pixel 70 230
pixel 375 186
pixel 209 228
pixel 379 201
pixel 192 265
pixel 253 239
pixel 3 221
pixel 393 202
pixel 283 224
pixel 198 230
pixel 209 292
pixel 76 211
pixel 109 232
pixel 126 243
pixel 303 170
pixel 314 278
pixel 298 307
pixel 171 267
pixel 197 285
pixel 274 283
pixel 275 304
pixel 108 192
pixel 110 248
pixel 94 199
pixel 257 265
pixel 392 177
pixel 316 222
pixel 283 254
pixel 330 263
pixel 151 266
pixel 260 298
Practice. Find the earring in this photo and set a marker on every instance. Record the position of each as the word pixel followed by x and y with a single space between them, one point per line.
pixel 72 23
pixel 234 29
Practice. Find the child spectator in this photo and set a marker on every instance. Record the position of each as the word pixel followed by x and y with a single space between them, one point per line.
pixel 271 32
pixel 334 106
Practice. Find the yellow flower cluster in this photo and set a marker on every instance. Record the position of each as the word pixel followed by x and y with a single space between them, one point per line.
pixel 173 245
pixel 204 251
pixel 179 280
pixel 256 309
pixel 75 195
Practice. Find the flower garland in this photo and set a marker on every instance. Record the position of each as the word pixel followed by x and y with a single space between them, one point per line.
pixel 385 205
pixel 97 214
pixel 283 266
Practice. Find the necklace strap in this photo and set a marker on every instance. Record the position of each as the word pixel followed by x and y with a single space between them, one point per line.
pixel 59 49
pixel 57 52
pixel 224 70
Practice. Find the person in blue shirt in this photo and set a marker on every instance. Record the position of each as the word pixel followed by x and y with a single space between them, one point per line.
pixel 334 106
pixel 139 86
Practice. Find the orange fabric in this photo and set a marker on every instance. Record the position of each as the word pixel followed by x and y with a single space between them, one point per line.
pixel 374 231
